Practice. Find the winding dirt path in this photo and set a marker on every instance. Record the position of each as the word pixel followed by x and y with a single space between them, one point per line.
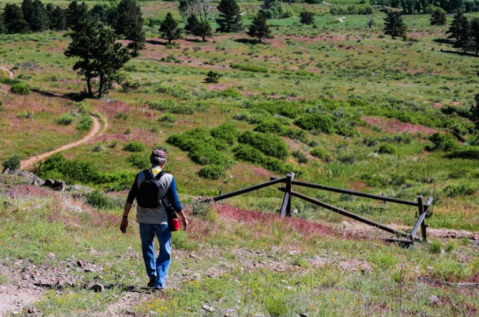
pixel 10 73
pixel 95 129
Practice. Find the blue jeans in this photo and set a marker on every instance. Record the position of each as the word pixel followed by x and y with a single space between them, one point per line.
pixel 156 269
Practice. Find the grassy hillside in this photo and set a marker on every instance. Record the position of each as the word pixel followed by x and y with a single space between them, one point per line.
pixel 232 262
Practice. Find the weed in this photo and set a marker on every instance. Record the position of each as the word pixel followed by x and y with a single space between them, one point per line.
pixel 435 247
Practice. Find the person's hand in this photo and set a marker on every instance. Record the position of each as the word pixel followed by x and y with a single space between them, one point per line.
pixel 185 223
pixel 124 225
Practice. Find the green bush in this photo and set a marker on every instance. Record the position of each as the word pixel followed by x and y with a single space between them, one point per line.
pixel 212 171
pixel 249 68
pixel 134 146
pixel 268 144
pixel 101 201
pixel 65 119
pixel 386 149
pixel 247 153
pixel 300 157
pixel 227 132
pixel 13 163
pixel 443 142
pixel 167 117
pixel 463 189
pixel 320 153
pixel 316 121
pixel 213 77
pixel 139 160
pixel 25 115
pixel 20 89
pixel 84 123
pixel 230 93
pixel 270 126
pixel 283 108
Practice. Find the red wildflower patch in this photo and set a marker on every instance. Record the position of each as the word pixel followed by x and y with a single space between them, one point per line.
pixel 396 126
pixel 26 191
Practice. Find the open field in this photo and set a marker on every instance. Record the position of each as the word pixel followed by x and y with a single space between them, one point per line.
pixel 386 99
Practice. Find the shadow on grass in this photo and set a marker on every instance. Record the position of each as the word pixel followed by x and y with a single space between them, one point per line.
pixel 444 41
pixel 248 41
pixel 195 41
pixel 74 96
pixel 155 42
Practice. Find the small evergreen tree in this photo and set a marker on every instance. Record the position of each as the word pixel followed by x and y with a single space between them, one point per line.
pixel 191 24
pixel 28 11
pixel 259 28
pixel 306 17
pixel 203 30
pixel 438 17
pixel 212 77
pixel 272 9
pixel 229 19
pixel 129 23
pixel 100 55
pixel 454 28
pixel 3 29
pixel 76 14
pixel 58 20
pixel 169 29
pixel 394 25
pixel 14 19
pixel 463 39
pixel 475 35
pixel 40 20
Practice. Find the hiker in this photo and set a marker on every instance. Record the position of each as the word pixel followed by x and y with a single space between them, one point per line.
pixel 158 190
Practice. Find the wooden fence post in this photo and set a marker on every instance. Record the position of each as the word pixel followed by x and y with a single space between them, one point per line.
pixel 286 205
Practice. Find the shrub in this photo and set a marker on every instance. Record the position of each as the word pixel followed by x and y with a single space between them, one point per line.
pixel 444 142
pixel 20 89
pixel 270 126
pixel 286 109
pixel 25 115
pixel 320 153
pixel 435 247
pixel 268 144
pixel 134 146
pixel 167 117
pixel 85 123
pixel 276 307
pixel 212 171
pixel 230 93
pixel 386 149
pixel 247 153
pixel 463 189
pixel 101 201
pixel 227 132
pixel 212 77
pixel 139 160
pixel 316 121
pixel 13 163
pixel 65 119
pixel 249 68
pixel 300 157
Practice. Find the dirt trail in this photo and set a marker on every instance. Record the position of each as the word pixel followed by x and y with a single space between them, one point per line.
pixel 95 129
pixel 10 73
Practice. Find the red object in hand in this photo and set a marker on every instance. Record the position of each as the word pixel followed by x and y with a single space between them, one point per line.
pixel 175 224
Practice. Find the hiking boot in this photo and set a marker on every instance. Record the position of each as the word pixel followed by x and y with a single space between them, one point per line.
pixel 152 281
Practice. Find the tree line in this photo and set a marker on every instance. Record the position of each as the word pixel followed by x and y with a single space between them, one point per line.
pixel 465 33
pixel 427 6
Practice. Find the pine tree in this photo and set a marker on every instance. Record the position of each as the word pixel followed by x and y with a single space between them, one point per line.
pixel 14 19
pixel 3 29
pixel 229 19
pixel 100 55
pixel 203 30
pixel 169 29
pixel 259 28
pixel 76 14
pixel 40 20
pixel 28 11
pixel 454 28
pixel 463 38
pixel 129 23
pixel 438 17
pixel 99 13
pixel 191 24
pixel 394 25
pixel 475 35
pixel 306 17
pixel 272 9
pixel 58 21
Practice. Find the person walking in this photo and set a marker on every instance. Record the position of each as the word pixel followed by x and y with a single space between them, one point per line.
pixel 152 216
